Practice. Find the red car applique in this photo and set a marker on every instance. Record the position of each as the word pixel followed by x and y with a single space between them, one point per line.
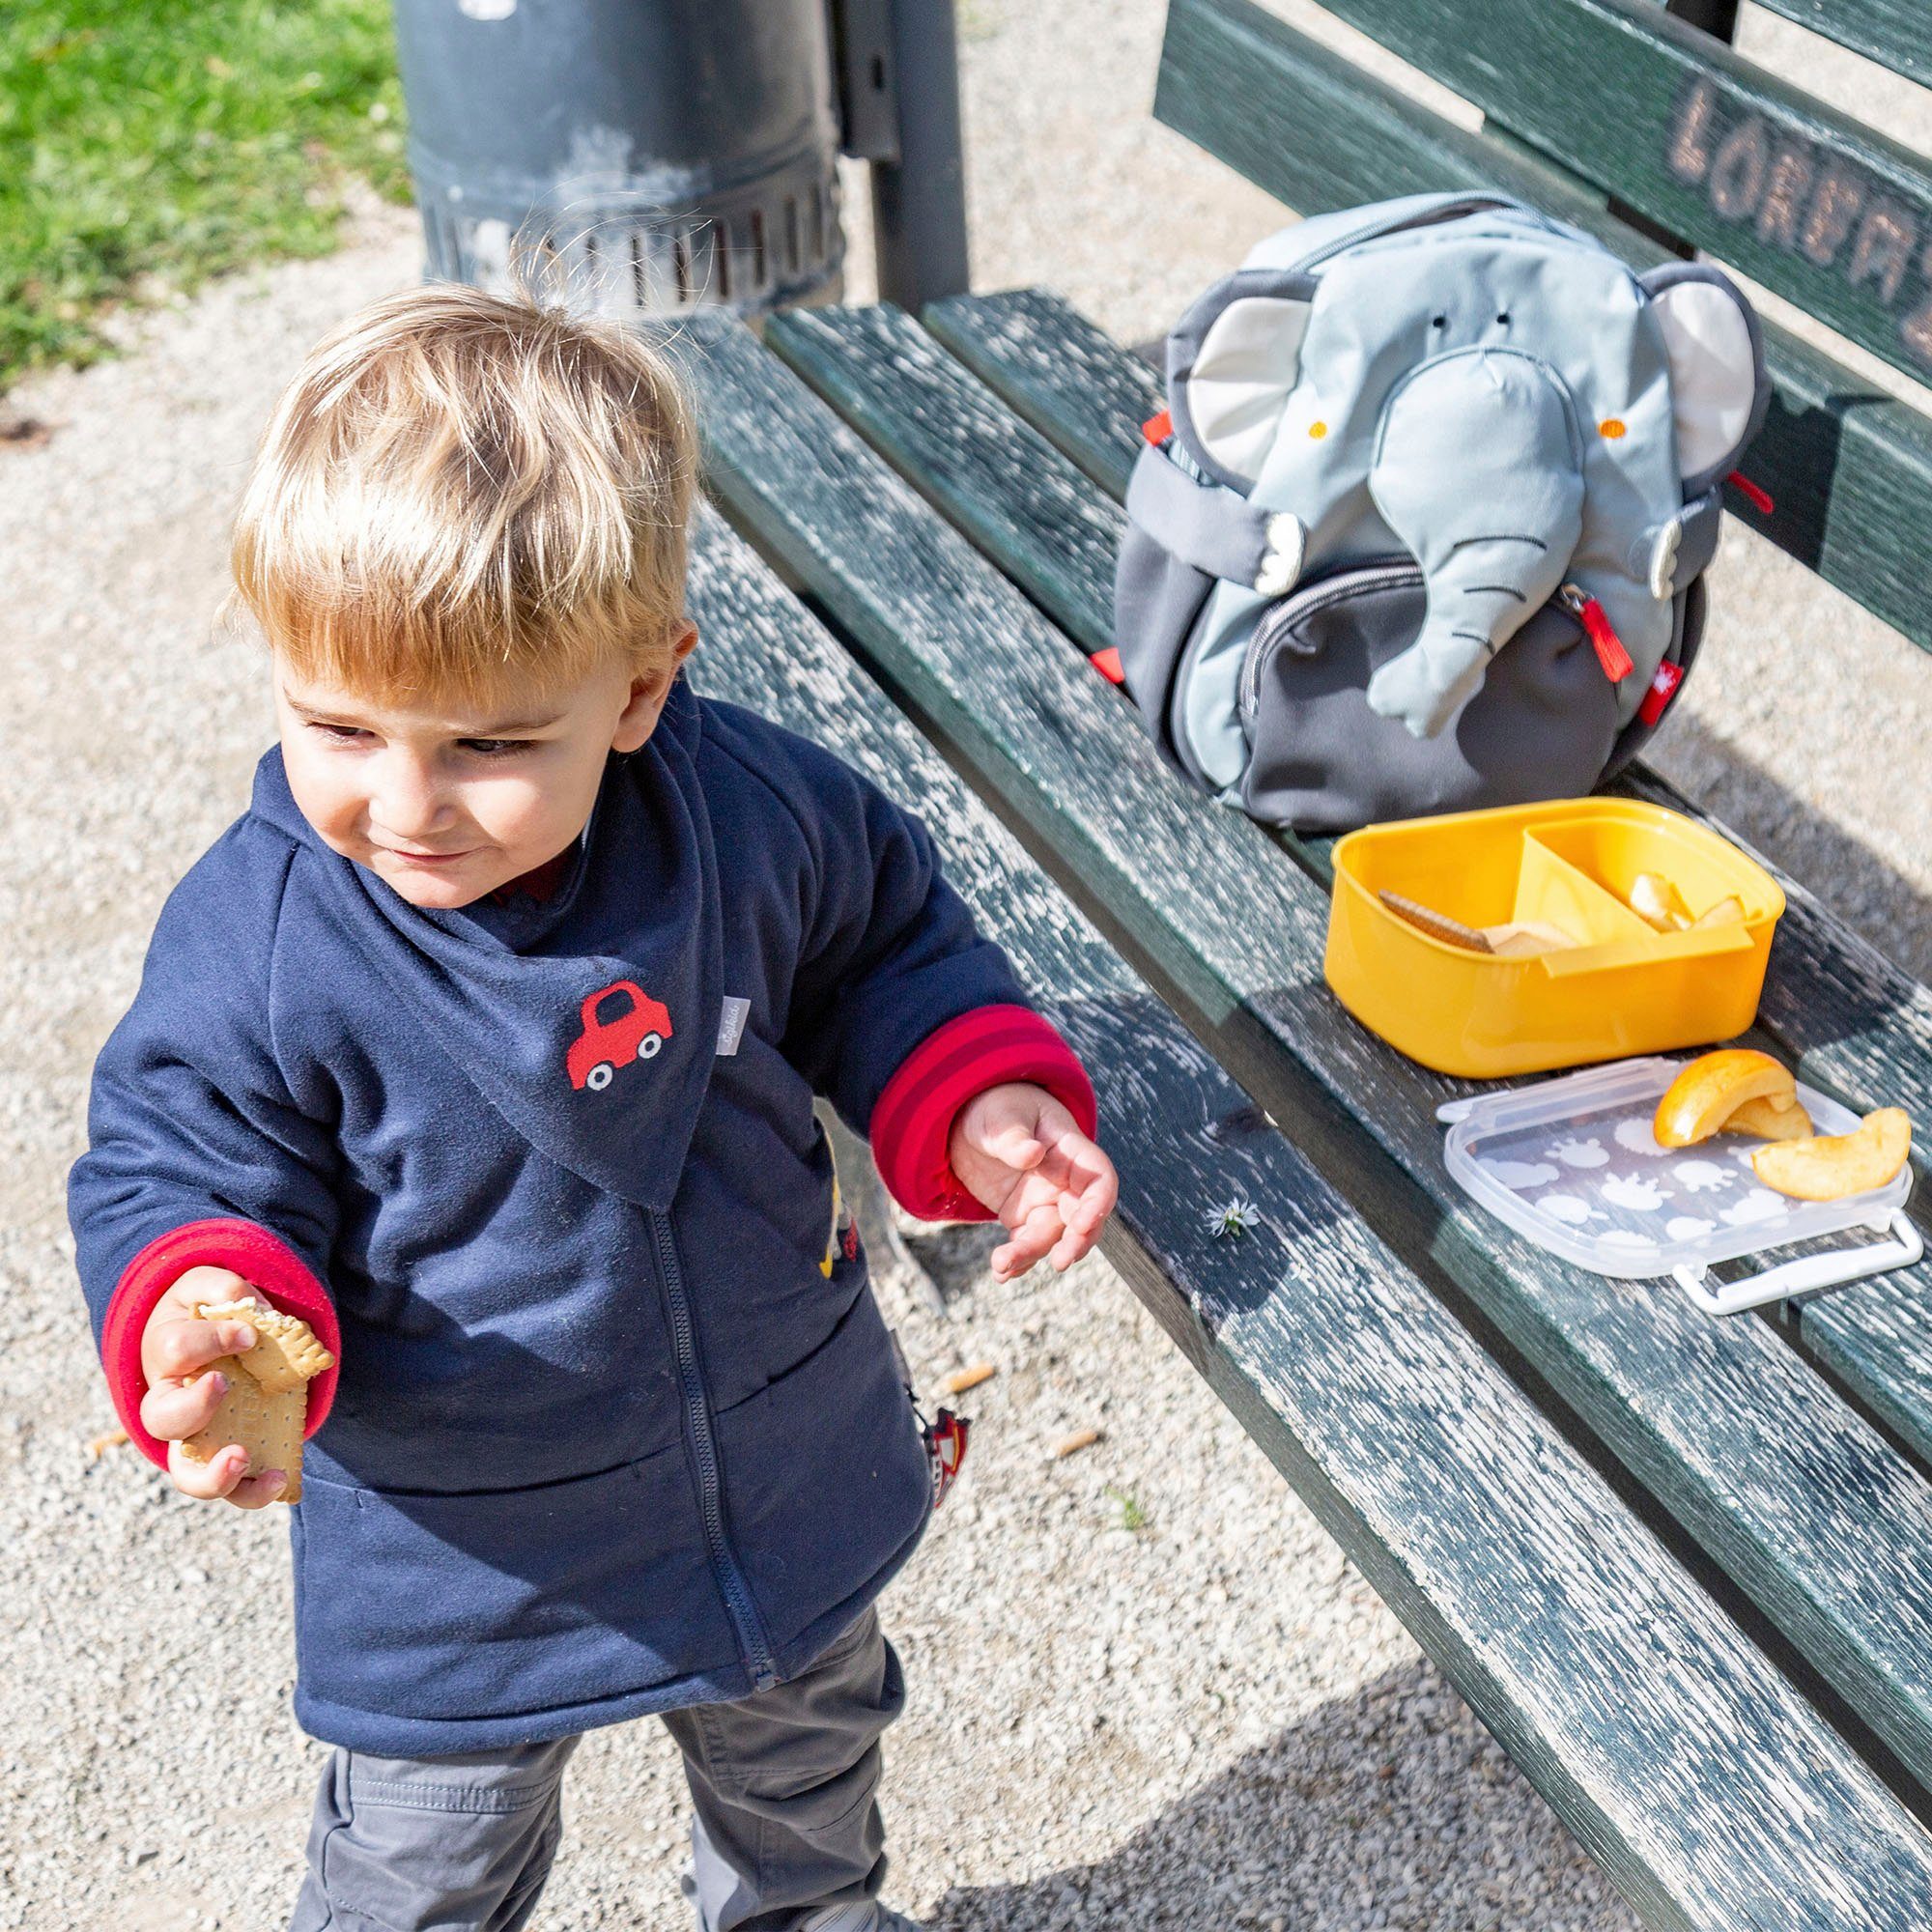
pixel 633 1032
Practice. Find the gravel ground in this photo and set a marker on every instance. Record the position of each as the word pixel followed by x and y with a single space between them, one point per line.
pixel 1206 1720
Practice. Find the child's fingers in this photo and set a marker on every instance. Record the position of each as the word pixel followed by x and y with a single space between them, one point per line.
pixel 253 1492
pixel 1017 1146
pixel 173 1351
pixel 1030 1240
pixel 206 1481
pixel 174 1411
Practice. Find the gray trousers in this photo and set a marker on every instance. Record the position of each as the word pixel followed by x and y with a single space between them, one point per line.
pixel 784 1785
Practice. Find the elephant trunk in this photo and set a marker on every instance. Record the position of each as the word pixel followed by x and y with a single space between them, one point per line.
pixel 1479 473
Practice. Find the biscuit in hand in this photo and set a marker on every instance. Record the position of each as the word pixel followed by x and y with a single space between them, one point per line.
pixel 266 1405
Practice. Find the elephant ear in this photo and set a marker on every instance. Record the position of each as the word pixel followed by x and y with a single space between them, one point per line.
pixel 1718 389
pixel 1231 363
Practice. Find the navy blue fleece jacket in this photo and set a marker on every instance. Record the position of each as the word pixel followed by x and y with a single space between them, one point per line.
pixel 614 1428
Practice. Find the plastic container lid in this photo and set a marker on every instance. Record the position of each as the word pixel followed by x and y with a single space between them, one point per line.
pixel 1571 1165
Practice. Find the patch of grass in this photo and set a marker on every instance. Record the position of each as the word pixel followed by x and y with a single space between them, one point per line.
pixel 148 143
pixel 1133 1517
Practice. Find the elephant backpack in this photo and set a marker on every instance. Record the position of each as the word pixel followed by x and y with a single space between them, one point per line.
pixel 1421 527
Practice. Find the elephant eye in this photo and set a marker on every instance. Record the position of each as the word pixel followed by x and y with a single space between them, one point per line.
pixel 1503 317
pixel 1438 322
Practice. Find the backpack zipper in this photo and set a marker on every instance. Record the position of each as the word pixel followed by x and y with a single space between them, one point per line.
pixel 1358 578
pixel 704 1450
pixel 1387 574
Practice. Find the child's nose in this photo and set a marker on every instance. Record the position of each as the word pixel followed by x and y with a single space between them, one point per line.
pixel 409 803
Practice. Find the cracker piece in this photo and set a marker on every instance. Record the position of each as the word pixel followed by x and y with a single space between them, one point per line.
pixel 265 1408
pixel 286 1353
pixel 268 1424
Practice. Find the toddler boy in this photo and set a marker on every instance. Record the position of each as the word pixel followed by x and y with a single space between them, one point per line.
pixel 486 1041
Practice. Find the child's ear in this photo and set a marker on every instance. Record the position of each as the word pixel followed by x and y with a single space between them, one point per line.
pixel 639 717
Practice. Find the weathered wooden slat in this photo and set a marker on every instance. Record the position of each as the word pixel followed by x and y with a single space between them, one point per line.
pixel 1807 1507
pixel 1894 32
pixel 1575 1637
pixel 1071 580
pixel 1846 1016
pixel 1848 469
pixel 1802 198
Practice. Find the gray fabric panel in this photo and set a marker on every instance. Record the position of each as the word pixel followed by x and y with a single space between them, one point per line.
pixel 1157 600
pixel 1692 603
pixel 1541 726
pixel 1205 524
pixel 1703 527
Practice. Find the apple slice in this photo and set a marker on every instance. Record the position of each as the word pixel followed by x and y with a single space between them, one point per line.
pixel 1766 1120
pixel 1658 903
pixel 1729 911
pixel 1710 1089
pixel 1831 1166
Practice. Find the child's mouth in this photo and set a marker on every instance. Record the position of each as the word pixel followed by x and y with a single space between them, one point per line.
pixel 426 858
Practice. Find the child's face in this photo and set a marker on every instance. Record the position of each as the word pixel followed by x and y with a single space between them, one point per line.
pixel 446 805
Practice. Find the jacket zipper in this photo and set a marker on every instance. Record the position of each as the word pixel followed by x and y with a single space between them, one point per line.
pixel 724 1564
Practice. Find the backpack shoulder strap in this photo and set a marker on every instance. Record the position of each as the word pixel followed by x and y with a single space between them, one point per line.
pixel 1214 529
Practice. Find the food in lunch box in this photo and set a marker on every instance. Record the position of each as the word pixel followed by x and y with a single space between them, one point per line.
pixel 1766 1120
pixel 1510 939
pixel 1658 903
pixel 1709 1090
pixel 1831 1166
pixel 1729 911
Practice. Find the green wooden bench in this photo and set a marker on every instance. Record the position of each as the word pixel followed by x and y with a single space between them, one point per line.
pixel 1681 1566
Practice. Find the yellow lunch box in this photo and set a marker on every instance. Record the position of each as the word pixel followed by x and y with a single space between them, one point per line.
pixel 1624 988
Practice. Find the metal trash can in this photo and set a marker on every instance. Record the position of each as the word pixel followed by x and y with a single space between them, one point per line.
pixel 664 154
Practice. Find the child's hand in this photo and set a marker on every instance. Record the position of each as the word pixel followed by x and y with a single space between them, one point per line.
pixel 176 1346
pixel 1017 1151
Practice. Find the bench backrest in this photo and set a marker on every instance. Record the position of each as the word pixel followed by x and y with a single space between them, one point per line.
pixel 1656 134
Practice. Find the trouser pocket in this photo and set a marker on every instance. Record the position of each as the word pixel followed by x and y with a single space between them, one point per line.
pixel 459 1844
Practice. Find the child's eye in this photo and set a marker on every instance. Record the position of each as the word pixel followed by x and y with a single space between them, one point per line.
pixel 340 734
pixel 496 748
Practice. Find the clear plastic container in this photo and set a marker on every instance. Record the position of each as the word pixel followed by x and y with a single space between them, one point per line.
pixel 1571 1165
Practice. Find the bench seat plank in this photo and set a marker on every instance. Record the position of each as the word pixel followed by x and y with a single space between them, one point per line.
pixel 1847 467
pixel 1848 1019
pixel 1576 1639
pixel 1888 31
pixel 1807 1507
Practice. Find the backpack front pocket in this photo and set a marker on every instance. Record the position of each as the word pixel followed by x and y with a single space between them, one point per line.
pixel 1320 760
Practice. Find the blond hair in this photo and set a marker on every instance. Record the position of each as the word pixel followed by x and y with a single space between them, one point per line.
pixel 461 495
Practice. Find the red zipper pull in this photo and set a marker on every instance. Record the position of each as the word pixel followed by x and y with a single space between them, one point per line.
pixel 1158 429
pixel 1754 494
pixel 1617 663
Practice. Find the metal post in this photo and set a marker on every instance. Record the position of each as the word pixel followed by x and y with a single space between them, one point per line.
pixel 919 199
pixel 1714 16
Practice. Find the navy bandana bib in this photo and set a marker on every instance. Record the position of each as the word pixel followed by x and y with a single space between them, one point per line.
pixel 589 1021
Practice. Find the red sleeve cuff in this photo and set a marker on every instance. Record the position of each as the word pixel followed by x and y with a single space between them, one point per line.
pixel 264 1260
pixel 912 1124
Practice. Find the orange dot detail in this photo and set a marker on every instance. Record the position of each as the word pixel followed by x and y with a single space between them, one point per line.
pixel 1318 430
pixel 1612 427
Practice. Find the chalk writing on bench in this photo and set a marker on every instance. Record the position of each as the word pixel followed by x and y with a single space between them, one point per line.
pixel 1811 203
